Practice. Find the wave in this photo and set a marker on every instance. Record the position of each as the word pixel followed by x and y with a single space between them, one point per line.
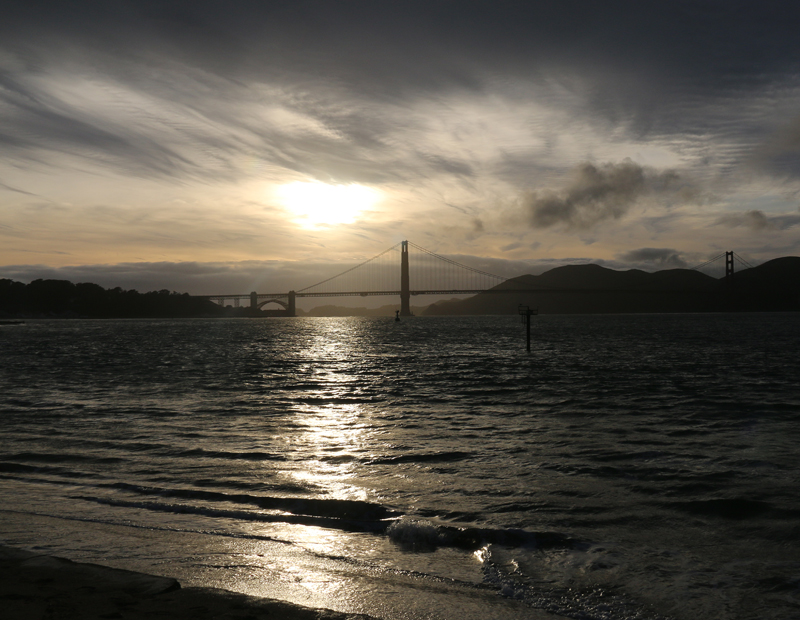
pixel 417 534
pixel 220 454
pixel 348 515
pixel 729 508
pixel 19 468
pixel 152 448
pixel 330 508
pixel 47 457
pixel 259 486
pixel 501 572
pixel 433 457
pixel 339 523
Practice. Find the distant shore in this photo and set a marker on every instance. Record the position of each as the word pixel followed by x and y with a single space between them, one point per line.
pixel 572 289
pixel 39 586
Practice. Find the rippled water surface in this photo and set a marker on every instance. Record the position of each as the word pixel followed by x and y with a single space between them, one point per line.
pixel 627 467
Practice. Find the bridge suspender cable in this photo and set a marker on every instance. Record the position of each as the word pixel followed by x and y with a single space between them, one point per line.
pixel 452 262
pixel 743 261
pixel 718 257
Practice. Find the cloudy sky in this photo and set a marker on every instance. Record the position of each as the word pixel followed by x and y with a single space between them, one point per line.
pixel 197 145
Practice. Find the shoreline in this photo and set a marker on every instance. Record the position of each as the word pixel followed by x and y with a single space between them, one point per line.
pixel 36 586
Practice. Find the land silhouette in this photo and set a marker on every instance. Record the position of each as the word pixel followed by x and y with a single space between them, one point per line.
pixel 63 299
pixel 573 289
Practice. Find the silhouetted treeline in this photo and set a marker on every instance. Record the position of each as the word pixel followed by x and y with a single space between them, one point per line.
pixel 62 298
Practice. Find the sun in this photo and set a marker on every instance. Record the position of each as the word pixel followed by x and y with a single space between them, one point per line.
pixel 322 204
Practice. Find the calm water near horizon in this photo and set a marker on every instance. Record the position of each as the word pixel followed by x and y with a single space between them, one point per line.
pixel 628 467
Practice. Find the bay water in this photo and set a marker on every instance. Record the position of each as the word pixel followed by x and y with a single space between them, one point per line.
pixel 627 467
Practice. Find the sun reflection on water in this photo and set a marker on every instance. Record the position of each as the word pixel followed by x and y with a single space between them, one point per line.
pixel 333 431
pixel 332 427
pixel 332 440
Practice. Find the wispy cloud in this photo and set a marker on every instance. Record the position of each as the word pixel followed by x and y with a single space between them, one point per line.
pixel 16 190
pixel 780 151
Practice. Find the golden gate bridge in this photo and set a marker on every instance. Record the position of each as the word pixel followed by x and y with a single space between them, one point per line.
pixel 430 274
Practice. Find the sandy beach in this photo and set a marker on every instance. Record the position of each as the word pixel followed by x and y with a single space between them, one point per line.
pixel 36 587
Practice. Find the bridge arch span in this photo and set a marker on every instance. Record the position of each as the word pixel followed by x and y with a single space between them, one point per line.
pixel 280 302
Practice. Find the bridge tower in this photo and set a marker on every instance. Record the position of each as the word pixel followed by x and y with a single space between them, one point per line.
pixel 405 287
pixel 291 310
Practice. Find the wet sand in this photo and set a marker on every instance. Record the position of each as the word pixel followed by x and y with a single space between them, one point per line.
pixel 34 587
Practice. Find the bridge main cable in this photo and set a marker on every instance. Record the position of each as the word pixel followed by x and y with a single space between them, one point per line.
pixel 338 275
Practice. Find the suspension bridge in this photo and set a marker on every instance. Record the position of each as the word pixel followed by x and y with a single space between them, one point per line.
pixel 430 274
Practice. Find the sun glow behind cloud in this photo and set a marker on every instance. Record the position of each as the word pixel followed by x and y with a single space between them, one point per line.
pixel 316 204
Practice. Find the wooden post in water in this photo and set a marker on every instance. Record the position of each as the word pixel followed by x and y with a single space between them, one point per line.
pixel 527 312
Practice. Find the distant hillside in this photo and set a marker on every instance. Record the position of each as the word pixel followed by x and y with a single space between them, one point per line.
pixel 775 285
pixel 576 289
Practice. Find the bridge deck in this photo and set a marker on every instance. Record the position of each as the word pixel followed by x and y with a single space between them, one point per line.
pixel 267 296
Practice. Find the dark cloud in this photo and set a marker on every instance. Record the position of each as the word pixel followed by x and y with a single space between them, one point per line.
pixel 655 68
pixel 596 194
pixel 757 220
pixel 661 258
pixel 432 42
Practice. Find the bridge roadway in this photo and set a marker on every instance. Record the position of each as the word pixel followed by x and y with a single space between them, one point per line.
pixel 257 300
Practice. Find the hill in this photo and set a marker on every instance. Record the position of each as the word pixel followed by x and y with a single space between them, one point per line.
pixel 576 289
pixel 774 285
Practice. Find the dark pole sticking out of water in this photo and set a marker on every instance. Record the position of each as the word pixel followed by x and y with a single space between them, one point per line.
pixel 405 286
pixel 526 311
